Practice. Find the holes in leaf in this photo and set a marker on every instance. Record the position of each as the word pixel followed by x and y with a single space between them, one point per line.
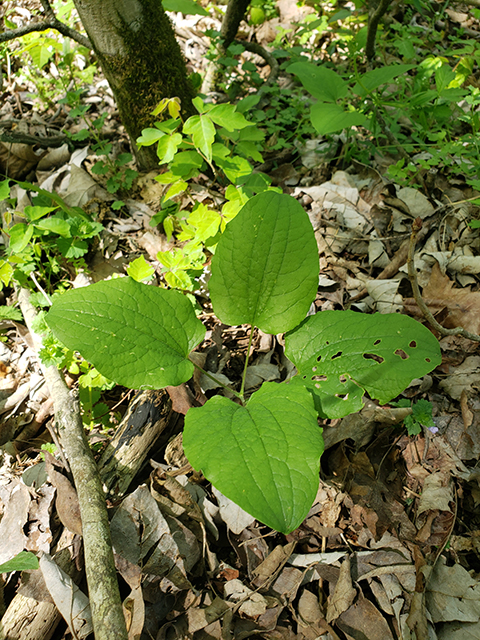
pixel 402 354
pixel 342 379
pixel 412 344
pixel 314 369
pixel 317 386
pixel 337 355
pixel 427 360
pixel 319 358
pixel 376 342
pixel 304 378
pixel 342 396
pixel 373 356
pixel 321 378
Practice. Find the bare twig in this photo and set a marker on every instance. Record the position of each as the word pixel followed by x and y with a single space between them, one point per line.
pixel 51 22
pixel 107 614
pixel 412 276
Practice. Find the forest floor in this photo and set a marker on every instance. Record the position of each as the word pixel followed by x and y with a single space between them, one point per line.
pixel 391 546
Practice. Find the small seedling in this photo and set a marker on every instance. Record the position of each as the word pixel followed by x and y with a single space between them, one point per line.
pixel 263 452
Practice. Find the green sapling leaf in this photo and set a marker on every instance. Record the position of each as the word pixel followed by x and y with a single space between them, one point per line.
pixel 319 81
pixel 23 561
pixel 202 130
pixel 341 354
pixel 264 456
pixel 265 268
pixel 137 335
pixel 328 118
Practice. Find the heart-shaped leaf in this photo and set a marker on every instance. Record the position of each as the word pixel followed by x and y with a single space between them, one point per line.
pixel 265 268
pixel 341 354
pixel 264 456
pixel 134 334
pixel 327 118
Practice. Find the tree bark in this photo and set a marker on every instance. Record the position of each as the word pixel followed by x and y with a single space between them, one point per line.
pixel 234 14
pixel 141 59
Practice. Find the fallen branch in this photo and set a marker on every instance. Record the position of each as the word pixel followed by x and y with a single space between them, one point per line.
pixel 412 276
pixel 105 603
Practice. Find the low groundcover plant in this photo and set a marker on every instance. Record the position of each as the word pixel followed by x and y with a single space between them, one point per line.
pixel 262 452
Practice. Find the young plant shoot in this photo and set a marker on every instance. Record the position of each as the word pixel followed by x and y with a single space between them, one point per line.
pixel 263 453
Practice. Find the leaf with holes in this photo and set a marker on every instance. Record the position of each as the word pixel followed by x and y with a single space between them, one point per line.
pixel 264 456
pixel 134 334
pixel 265 267
pixel 340 355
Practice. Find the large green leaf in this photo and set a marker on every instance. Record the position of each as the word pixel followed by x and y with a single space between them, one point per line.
pixel 375 78
pixel 328 118
pixel 264 456
pixel 319 81
pixel 341 354
pixel 265 268
pixel 136 335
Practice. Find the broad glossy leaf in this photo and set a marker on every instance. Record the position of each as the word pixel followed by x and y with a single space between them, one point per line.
pixel 265 268
pixel 319 81
pixel 137 335
pixel 202 130
pixel 341 354
pixel 328 118
pixel 20 236
pixel 264 456
pixel 226 115
pixel 149 137
pixel 54 225
pixel 375 78
pixel 168 147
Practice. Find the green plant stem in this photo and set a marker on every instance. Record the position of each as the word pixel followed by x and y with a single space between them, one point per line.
pixel 244 375
pixel 212 377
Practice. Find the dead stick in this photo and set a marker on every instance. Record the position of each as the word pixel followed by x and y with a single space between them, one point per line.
pixel 412 276
pixel 106 605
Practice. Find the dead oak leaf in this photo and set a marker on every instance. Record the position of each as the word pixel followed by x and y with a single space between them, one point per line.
pixel 462 305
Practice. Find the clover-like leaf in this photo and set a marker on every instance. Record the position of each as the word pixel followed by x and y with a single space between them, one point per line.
pixel 265 268
pixel 264 456
pixel 134 334
pixel 341 354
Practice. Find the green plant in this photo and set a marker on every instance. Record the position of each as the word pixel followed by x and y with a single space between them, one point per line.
pixel 421 111
pixel 219 140
pixel 52 235
pixel 23 561
pixel 263 452
pixel 120 176
pixel 420 417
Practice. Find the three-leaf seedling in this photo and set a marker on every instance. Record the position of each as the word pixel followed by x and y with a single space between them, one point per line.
pixel 264 452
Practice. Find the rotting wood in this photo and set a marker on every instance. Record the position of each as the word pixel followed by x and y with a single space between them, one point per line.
pixel 146 420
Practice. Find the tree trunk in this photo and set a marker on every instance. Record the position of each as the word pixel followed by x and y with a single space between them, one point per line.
pixel 141 59
pixel 234 14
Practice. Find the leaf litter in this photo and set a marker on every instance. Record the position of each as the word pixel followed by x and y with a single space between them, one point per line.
pixel 391 546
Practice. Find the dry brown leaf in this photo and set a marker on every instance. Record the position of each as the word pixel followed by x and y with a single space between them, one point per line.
pixel 462 305
pixel 344 593
pixel 363 619
pixel 272 564
pixel 66 502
